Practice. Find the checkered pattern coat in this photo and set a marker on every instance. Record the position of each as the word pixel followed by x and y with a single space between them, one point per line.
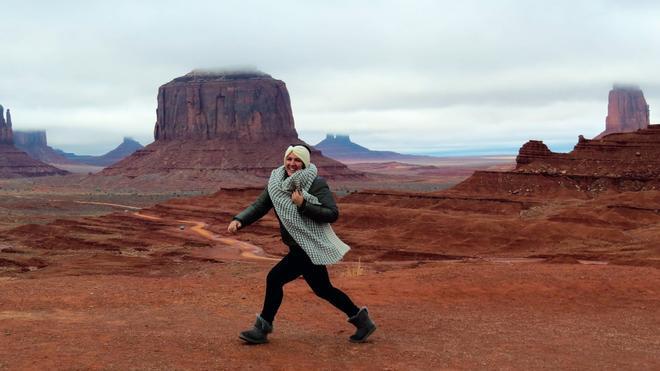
pixel 307 226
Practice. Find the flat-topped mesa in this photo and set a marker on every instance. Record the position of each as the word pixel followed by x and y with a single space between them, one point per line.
pixel 6 135
pixel 627 110
pixel 247 106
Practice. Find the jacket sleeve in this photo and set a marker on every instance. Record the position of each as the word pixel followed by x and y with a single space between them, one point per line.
pixel 254 212
pixel 327 211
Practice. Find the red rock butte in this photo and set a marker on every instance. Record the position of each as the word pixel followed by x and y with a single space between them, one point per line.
pixel 627 110
pixel 223 126
pixel 15 163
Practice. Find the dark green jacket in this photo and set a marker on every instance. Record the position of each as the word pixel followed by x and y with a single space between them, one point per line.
pixel 326 212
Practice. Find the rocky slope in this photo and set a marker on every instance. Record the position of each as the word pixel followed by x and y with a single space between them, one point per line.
pixel 625 160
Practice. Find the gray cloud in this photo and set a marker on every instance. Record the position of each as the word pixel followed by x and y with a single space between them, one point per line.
pixel 402 75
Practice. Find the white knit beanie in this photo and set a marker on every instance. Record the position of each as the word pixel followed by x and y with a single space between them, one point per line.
pixel 301 151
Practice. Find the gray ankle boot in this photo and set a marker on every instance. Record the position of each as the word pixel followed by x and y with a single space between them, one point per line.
pixel 259 333
pixel 365 326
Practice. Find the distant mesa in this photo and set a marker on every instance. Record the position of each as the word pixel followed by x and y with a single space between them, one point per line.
pixel 627 110
pixel 15 163
pixel 340 147
pixel 35 144
pixel 127 147
pixel 227 126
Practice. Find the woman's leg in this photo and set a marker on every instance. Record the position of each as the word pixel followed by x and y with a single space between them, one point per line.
pixel 317 278
pixel 285 271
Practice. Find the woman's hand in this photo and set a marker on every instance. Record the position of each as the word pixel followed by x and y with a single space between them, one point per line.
pixel 234 226
pixel 297 197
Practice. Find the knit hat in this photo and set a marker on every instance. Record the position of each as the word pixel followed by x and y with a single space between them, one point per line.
pixel 301 151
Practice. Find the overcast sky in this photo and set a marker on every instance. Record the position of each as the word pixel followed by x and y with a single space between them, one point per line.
pixel 410 76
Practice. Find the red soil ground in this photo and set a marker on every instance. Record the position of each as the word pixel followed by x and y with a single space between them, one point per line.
pixel 455 280
pixel 430 316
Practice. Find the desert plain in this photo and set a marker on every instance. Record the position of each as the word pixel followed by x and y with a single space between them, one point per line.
pixel 455 279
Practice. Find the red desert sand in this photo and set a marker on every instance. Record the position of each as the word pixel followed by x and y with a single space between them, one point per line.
pixel 454 281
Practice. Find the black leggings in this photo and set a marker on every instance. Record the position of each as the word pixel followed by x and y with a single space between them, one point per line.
pixel 291 267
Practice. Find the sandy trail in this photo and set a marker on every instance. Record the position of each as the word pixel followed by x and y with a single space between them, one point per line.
pixel 106 204
pixel 245 250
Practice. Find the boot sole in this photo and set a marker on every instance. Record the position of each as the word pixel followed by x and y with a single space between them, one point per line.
pixel 364 339
pixel 252 341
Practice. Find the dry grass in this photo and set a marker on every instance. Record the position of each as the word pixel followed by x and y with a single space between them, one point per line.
pixel 354 270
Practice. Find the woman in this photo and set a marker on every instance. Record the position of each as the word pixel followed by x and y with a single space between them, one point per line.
pixel 305 208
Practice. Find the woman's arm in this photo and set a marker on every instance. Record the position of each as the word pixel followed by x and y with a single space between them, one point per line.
pixel 254 212
pixel 327 211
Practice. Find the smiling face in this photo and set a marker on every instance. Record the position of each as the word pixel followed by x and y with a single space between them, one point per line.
pixel 292 163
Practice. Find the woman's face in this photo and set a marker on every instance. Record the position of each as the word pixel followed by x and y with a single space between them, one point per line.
pixel 292 163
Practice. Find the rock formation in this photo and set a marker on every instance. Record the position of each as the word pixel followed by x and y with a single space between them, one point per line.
pixel 247 107
pixel 627 110
pixel 341 148
pixel 625 157
pixel 35 144
pixel 531 151
pixel 5 127
pixel 15 163
pixel 127 147
pixel 221 126
pixel 617 162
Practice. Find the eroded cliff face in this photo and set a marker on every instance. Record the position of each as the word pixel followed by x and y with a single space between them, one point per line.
pixel 6 136
pixel 240 107
pixel 632 155
pixel 627 110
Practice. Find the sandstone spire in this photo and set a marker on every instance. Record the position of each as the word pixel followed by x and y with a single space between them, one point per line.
pixel 6 136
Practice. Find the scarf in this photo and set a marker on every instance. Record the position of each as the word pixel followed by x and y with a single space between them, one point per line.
pixel 317 239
